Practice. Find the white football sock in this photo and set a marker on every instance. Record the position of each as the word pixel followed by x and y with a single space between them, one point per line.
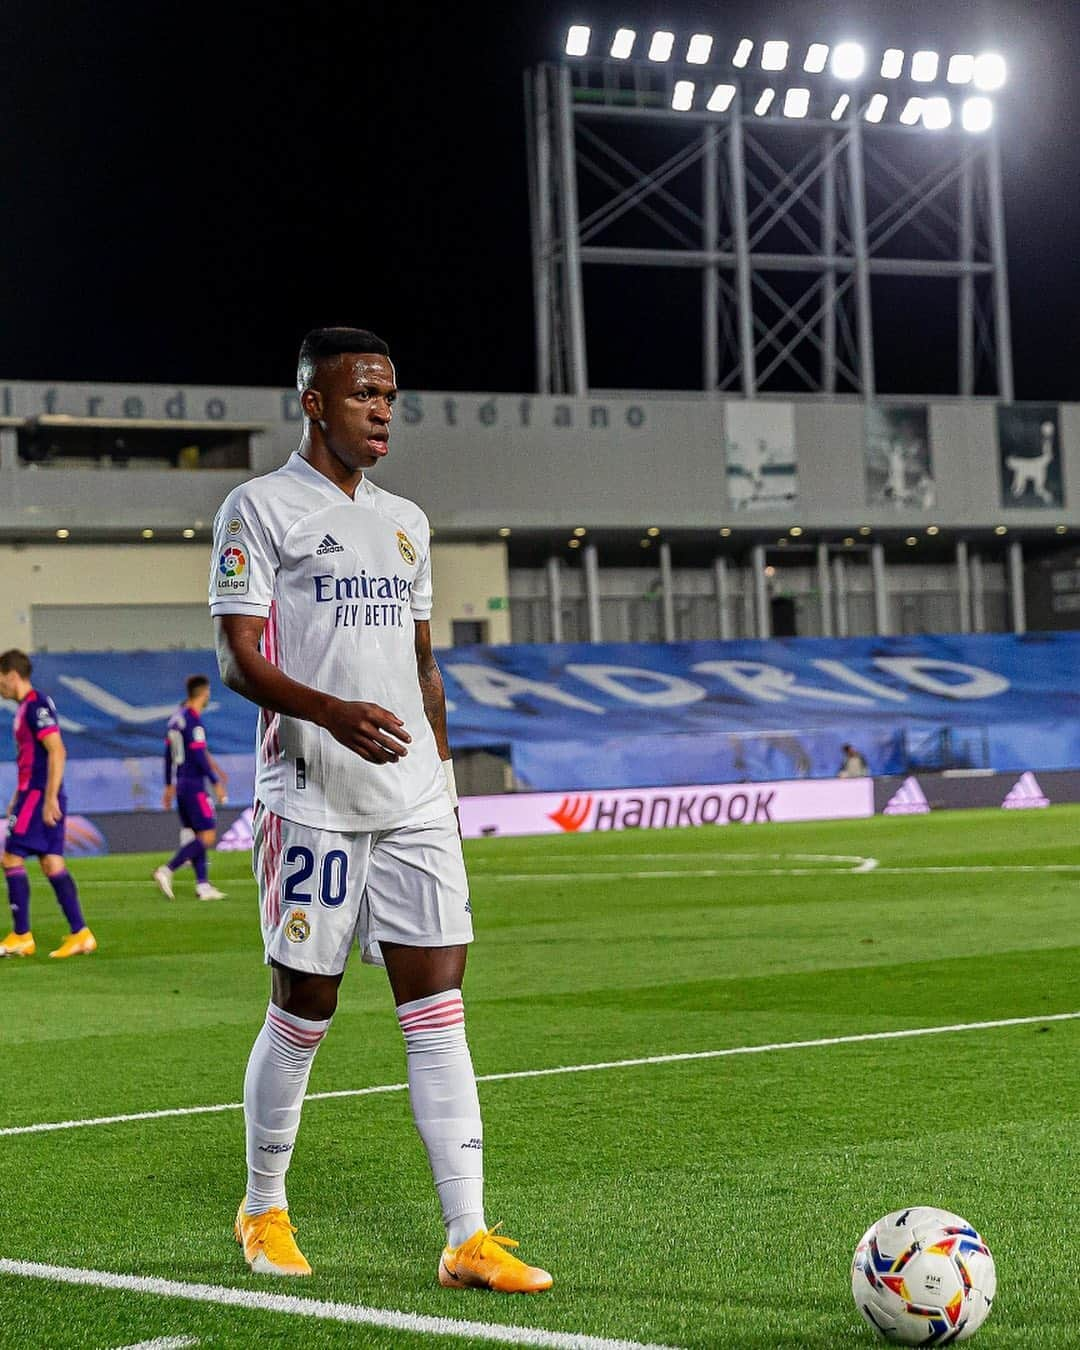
pixel 445 1107
pixel 274 1086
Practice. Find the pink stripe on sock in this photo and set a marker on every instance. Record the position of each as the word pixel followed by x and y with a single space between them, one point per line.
pixel 295 1033
pixel 14 871
pixel 433 1026
pixel 406 1019
pixel 457 1015
pixel 286 1025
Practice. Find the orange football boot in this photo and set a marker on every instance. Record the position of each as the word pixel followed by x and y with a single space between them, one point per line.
pixel 18 944
pixel 268 1243
pixel 81 943
pixel 482 1262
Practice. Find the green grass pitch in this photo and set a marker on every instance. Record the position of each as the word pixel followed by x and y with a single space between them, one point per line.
pixel 703 1203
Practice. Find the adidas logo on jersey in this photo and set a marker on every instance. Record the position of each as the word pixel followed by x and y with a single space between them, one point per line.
pixel 908 800
pixel 329 545
pixel 1025 793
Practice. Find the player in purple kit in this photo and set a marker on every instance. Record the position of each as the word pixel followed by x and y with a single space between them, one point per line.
pixel 36 814
pixel 187 759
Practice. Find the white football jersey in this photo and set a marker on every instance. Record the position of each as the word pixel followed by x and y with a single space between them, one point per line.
pixel 340 582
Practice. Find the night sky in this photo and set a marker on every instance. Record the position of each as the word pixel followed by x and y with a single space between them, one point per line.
pixel 187 188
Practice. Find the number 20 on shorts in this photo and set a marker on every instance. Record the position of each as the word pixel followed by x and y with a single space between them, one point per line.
pixel 333 882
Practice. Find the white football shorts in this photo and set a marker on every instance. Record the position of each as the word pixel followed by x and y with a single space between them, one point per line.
pixel 321 890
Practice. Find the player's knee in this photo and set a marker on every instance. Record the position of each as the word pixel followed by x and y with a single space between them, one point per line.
pixel 209 838
pixel 313 997
pixel 316 1004
pixel 51 864
pixel 11 862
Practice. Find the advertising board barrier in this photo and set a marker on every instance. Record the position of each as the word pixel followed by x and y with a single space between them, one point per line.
pixel 584 717
pixel 666 808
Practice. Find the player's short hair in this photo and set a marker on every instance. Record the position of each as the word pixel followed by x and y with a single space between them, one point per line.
pixel 17 661
pixel 323 342
pixel 196 682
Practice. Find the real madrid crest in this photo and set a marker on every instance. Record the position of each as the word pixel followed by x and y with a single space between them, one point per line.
pixel 405 547
pixel 298 929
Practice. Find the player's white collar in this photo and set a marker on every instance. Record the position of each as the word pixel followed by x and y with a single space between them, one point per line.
pixel 299 464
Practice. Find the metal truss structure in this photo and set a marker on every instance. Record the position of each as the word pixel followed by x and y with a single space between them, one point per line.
pixel 807 234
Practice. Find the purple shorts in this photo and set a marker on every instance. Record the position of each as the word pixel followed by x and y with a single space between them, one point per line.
pixel 195 808
pixel 28 835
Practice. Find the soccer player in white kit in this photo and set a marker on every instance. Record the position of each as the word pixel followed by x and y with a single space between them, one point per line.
pixel 320 588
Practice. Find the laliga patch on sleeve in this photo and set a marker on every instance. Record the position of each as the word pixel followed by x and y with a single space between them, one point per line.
pixel 232 571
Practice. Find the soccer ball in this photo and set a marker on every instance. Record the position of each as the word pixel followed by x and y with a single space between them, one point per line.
pixel 923 1276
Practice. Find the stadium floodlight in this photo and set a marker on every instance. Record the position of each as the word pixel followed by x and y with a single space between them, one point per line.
pixel 699 49
pixel 622 44
pixel 924 67
pixel 721 98
pixel 817 57
pixel 796 102
pixel 577 40
pixel 682 96
pixel 848 61
pixel 961 69
pixel 875 109
pixel 989 73
pixel 913 110
pixel 840 107
pixel 892 64
pixel 937 114
pixel 743 53
pixel 977 114
pixel 765 101
pixel 661 45
pixel 774 55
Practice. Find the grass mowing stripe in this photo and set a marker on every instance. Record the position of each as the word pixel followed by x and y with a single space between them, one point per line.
pixel 354 1313
pixel 867 866
pixel 49 1127
pixel 860 867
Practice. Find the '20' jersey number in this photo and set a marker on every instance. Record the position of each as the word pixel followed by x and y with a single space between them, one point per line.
pixel 333 882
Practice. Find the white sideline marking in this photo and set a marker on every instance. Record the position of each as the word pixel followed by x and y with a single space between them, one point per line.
pixel 163 1343
pixel 353 1313
pixel 728 1053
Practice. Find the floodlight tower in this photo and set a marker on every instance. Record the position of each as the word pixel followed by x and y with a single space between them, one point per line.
pixel 791 179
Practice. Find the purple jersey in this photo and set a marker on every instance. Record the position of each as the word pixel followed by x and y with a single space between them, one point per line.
pixel 35 722
pixel 185 750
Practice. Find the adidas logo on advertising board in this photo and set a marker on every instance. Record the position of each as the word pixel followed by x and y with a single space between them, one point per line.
pixel 1024 794
pixel 329 545
pixel 908 800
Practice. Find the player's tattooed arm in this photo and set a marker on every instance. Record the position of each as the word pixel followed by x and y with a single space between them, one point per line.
pixel 431 687
pixel 373 733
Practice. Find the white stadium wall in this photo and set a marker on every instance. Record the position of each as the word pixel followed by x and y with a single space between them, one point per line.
pixel 480 461
pixel 125 597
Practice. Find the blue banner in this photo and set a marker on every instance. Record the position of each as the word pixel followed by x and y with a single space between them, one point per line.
pixel 620 714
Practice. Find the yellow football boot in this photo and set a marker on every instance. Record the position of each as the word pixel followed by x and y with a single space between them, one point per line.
pixel 18 944
pixel 268 1243
pixel 482 1262
pixel 81 943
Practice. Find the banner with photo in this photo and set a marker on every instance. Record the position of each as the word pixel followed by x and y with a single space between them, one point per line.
pixel 899 468
pixel 762 465
pixel 1029 455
